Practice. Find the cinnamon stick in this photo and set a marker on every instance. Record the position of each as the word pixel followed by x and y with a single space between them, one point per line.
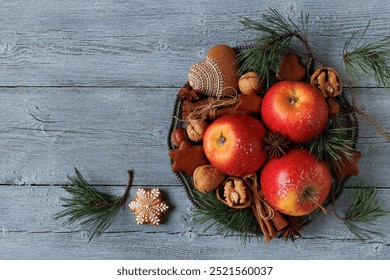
pixel 279 221
pixel 265 225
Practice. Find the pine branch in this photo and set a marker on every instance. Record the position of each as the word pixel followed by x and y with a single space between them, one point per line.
pixel 365 208
pixel 371 59
pixel 333 143
pixel 275 34
pixel 93 209
pixel 227 220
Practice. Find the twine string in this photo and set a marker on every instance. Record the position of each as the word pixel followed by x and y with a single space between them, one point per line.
pixel 264 211
pixel 213 105
pixel 365 115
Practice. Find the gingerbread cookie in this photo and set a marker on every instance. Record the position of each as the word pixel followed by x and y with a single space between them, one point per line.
pixel 249 103
pixel 291 69
pixel 187 158
pixel 348 166
pixel 217 74
pixel 148 206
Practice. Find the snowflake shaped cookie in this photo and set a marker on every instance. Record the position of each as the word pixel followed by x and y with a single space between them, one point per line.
pixel 148 206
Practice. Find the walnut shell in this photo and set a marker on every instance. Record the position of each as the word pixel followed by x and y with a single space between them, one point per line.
pixel 207 178
pixel 250 82
pixel 328 81
pixel 234 193
pixel 196 129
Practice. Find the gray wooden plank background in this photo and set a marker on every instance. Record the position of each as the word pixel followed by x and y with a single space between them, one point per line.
pixel 91 85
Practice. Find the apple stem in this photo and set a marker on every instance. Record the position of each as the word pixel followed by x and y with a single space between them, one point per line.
pixel 221 140
pixel 312 198
pixel 293 100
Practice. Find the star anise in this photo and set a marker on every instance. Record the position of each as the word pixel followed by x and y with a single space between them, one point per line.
pixel 188 93
pixel 292 230
pixel 276 144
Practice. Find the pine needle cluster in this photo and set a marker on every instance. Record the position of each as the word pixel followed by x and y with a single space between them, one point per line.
pixel 333 143
pixel 275 34
pixel 365 208
pixel 369 58
pixel 93 209
pixel 226 220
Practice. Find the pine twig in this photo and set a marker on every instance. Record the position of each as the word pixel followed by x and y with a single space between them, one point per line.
pixel 275 36
pixel 227 220
pixel 365 208
pixel 368 58
pixel 372 59
pixel 94 210
pixel 333 143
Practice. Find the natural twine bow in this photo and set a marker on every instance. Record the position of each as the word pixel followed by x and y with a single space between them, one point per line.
pixel 260 208
pixel 211 108
pixel 264 211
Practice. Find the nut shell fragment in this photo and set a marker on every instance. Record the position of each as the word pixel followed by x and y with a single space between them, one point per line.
pixel 328 81
pixel 234 193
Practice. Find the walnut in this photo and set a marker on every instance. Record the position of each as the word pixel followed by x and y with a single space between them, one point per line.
pixel 196 129
pixel 234 193
pixel 207 178
pixel 328 81
pixel 250 83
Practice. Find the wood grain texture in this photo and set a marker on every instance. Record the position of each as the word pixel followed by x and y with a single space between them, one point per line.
pixel 106 131
pixel 92 85
pixel 36 235
pixel 152 43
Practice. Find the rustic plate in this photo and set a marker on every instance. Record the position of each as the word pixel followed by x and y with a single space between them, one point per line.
pixel 344 119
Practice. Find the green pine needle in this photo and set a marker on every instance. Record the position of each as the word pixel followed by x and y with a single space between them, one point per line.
pixel 274 37
pixel 240 222
pixel 371 59
pixel 334 142
pixel 93 209
pixel 365 208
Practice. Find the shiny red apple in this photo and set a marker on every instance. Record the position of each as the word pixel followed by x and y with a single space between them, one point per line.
pixel 296 184
pixel 296 109
pixel 234 144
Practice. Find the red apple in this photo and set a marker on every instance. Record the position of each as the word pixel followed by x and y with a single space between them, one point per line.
pixel 296 109
pixel 296 184
pixel 234 144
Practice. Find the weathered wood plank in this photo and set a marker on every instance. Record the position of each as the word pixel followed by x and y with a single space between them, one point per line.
pixel 168 246
pixel 45 132
pixel 92 85
pixel 113 43
pixel 116 129
pixel 34 234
